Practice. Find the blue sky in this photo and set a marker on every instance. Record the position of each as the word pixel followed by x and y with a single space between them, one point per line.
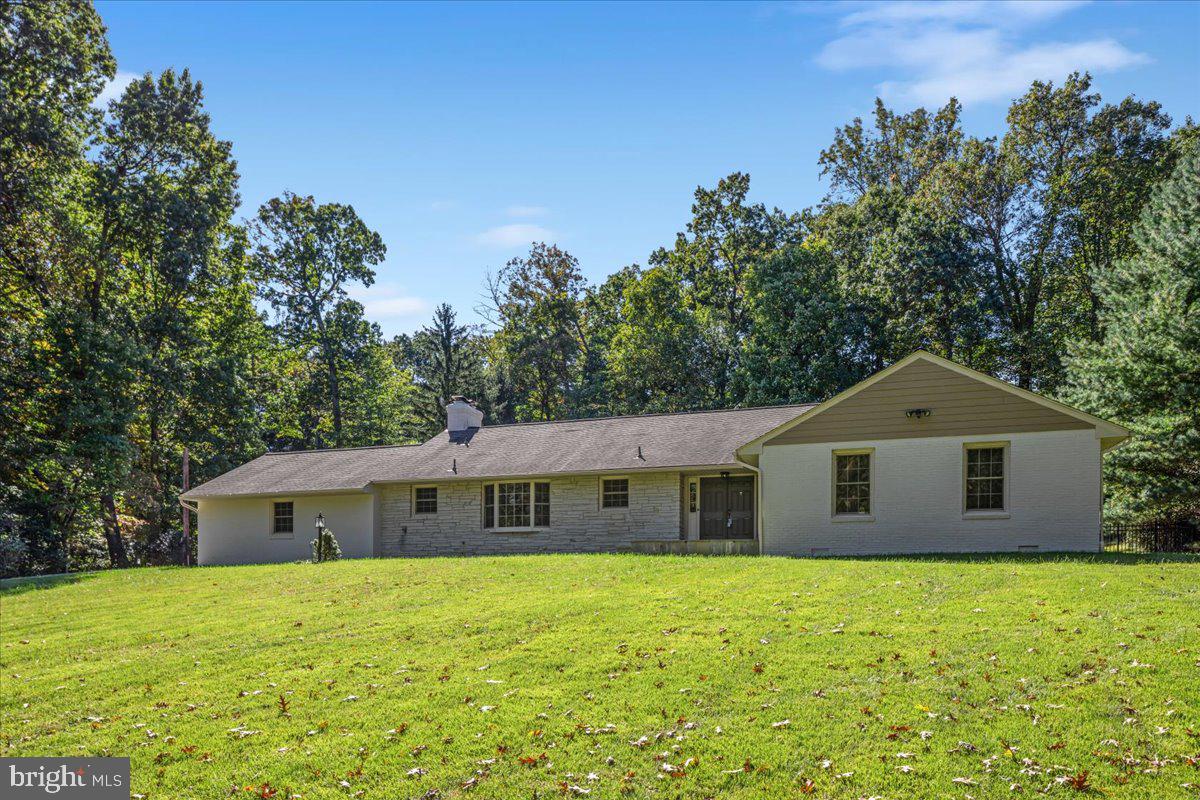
pixel 462 132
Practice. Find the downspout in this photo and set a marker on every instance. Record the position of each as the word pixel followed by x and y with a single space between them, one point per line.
pixel 758 512
pixel 195 510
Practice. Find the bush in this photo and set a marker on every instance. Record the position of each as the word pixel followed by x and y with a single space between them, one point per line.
pixel 13 555
pixel 325 547
pixel 87 550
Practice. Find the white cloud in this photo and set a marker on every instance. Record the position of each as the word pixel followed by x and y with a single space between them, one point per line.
pixel 972 51
pixel 388 303
pixel 1011 73
pixel 113 89
pixel 519 234
pixel 996 12
pixel 526 211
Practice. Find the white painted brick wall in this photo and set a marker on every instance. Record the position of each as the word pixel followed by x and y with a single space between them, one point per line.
pixel 577 523
pixel 1054 497
pixel 237 530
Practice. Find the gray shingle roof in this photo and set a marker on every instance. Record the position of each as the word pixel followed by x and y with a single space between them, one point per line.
pixel 667 441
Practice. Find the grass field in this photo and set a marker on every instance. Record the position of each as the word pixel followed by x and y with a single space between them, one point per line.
pixel 617 676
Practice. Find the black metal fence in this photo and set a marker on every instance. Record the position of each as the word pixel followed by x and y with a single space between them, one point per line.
pixel 1151 537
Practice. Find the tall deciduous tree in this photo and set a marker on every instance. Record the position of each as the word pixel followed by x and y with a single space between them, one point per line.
pixel 908 276
pixel 726 237
pixel 1145 372
pixel 900 153
pixel 1126 154
pixel 163 195
pixel 54 60
pixel 536 302
pixel 807 341
pixel 305 254
pixel 655 357
pixel 1019 200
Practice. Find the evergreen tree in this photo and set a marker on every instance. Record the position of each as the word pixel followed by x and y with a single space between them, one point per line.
pixel 1145 372
pixel 445 359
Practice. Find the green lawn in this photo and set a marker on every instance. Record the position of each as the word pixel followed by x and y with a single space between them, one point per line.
pixel 618 676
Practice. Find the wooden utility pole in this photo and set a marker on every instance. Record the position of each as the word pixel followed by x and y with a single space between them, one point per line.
pixel 187 516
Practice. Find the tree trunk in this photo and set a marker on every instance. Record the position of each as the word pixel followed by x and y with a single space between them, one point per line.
pixel 335 395
pixel 112 532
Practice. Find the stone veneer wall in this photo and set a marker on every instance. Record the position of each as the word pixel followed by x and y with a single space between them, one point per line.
pixel 577 523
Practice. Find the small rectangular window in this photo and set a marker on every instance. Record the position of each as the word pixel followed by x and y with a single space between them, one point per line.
pixel 541 505
pixel 425 499
pixel 615 493
pixel 852 483
pixel 282 518
pixel 489 505
pixel 984 489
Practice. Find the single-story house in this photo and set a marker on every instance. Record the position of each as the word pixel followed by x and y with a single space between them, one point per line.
pixel 925 456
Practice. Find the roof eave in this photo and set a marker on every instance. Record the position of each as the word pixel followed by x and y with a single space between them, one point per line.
pixel 733 464
pixel 193 494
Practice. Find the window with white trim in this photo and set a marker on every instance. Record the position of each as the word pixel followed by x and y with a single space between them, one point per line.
pixel 983 478
pixel 852 483
pixel 425 499
pixel 283 518
pixel 509 505
pixel 541 505
pixel 614 493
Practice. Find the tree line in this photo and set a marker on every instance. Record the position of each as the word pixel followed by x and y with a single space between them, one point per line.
pixel 143 317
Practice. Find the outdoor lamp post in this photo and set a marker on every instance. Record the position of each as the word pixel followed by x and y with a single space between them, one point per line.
pixel 320 548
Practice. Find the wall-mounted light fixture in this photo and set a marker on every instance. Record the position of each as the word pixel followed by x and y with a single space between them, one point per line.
pixel 918 413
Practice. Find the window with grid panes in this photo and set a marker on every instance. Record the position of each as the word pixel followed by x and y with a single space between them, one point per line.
pixel 985 479
pixel 852 483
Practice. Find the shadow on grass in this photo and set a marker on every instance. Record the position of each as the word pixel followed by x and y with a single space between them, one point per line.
pixel 1034 558
pixel 11 586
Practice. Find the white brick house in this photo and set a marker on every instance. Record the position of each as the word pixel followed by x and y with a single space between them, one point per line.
pixel 925 456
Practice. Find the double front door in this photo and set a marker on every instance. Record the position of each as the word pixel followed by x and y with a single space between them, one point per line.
pixel 727 507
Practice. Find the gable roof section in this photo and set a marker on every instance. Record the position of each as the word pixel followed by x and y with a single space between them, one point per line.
pixel 605 444
pixel 971 406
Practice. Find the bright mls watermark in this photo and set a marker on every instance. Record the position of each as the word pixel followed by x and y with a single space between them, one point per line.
pixel 69 778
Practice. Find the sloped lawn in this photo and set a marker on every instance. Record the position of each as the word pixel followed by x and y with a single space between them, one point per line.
pixel 618 676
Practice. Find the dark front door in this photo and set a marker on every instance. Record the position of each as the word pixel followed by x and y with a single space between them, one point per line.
pixel 727 508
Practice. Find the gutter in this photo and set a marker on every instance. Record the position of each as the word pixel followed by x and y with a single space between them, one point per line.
pixel 184 503
pixel 758 509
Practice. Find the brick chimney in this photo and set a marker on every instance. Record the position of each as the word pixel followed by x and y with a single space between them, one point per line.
pixel 462 417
